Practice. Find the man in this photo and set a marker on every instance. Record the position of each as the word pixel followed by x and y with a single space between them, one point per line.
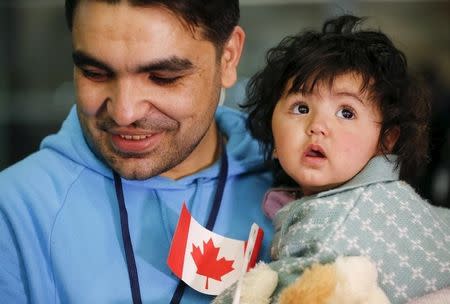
pixel 89 218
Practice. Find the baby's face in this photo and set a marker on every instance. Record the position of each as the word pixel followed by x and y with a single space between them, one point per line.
pixel 325 138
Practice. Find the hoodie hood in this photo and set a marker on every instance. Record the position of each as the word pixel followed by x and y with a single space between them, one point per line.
pixel 244 154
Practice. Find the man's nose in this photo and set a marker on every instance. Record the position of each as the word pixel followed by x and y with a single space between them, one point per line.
pixel 126 104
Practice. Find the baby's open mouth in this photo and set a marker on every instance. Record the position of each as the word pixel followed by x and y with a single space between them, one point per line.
pixel 315 151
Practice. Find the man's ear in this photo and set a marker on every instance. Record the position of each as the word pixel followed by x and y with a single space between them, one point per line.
pixel 390 139
pixel 231 55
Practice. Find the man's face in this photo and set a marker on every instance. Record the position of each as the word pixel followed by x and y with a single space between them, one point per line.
pixel 147 88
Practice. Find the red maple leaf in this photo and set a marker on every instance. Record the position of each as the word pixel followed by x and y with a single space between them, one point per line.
pixel 207 263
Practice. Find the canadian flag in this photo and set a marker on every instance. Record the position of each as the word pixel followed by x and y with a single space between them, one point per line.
pixel 207 261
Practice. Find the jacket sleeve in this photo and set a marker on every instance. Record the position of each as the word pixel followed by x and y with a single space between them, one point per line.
pixel 12 283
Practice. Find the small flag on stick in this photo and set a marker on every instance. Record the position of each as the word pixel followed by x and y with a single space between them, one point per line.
pixel 207 261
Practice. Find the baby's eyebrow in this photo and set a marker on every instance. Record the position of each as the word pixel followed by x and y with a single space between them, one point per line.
pixel 351 94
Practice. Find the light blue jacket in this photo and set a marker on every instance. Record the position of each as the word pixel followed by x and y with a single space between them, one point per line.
pixel 60 235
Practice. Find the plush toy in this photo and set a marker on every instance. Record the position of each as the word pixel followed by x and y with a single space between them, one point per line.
pixel 258 285
pixel 349 280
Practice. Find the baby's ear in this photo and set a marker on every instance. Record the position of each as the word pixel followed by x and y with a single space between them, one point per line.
pixel 274 153
pixel 390 139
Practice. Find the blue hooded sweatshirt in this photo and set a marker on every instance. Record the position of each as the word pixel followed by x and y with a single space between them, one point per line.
pixel 60 232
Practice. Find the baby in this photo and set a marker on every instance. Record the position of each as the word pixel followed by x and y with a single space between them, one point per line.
pixel 344 123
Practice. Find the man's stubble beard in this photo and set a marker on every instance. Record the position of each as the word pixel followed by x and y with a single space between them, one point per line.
pixel 165 159
pixel 162 161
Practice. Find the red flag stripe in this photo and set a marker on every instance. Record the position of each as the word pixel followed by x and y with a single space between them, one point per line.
pixel 179 242
pixel 256 248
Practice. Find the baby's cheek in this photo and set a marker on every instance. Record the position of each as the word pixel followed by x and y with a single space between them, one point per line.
pixel 350 142
pixel 357 149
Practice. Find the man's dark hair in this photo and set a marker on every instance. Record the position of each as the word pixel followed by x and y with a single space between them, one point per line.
pixel 342 47
pixel 216 18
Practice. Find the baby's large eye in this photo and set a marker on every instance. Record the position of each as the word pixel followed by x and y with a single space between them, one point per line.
pixel 300 109
pixel 346 113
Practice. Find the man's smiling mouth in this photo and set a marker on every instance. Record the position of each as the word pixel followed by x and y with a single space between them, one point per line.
pixel 134 137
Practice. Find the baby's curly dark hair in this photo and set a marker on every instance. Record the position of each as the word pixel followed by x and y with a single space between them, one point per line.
pixel 343 47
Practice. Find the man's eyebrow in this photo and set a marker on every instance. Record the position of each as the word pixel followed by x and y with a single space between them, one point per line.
pixel 172 64
pixel 81 59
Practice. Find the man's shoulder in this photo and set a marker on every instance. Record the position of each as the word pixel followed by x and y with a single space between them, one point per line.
pixel 42 162
pixel 42 175
pixel 228 118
